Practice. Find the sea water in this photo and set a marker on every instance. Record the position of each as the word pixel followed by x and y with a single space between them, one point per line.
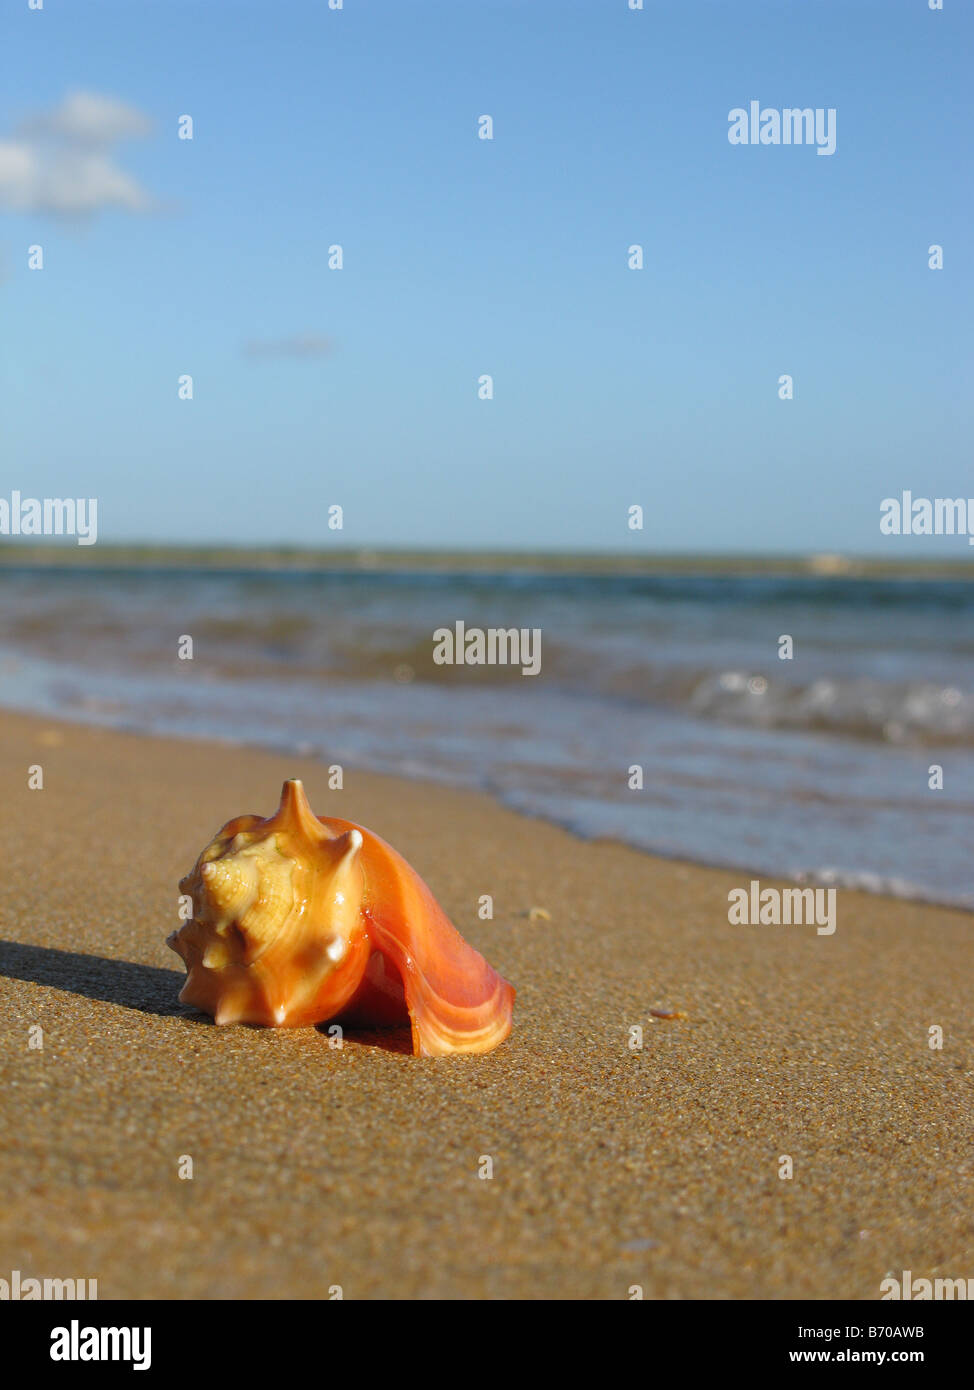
pixel 817 766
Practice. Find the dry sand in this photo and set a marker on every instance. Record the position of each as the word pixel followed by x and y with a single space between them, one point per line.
pixel 611 1167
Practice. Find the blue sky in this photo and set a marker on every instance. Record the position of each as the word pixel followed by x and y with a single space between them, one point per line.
pixel 508 257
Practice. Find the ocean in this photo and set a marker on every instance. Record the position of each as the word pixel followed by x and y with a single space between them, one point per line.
pixel 816 768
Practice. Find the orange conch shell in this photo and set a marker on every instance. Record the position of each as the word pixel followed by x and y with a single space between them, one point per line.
pixel 299 920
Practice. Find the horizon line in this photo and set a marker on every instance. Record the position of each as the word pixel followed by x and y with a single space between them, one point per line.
pixel 217 555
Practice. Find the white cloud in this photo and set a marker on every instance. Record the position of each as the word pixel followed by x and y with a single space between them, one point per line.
pixel 87 118
pixel 297 345
pixel 62 161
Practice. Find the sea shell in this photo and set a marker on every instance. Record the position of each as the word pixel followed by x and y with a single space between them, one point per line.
pixel 299 920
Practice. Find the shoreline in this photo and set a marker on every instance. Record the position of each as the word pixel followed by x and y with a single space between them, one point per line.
pixel 844 881
pixel 613 1166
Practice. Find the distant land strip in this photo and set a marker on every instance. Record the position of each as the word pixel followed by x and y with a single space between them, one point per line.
pixel 17 555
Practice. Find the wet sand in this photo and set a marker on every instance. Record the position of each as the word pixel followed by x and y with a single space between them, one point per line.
pixel 612 1167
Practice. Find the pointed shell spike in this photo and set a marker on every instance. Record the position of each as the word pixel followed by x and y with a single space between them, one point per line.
pixel 353 843
pixel 295 811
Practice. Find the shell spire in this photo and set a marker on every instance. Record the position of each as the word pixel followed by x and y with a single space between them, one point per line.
pixel 298 920
pixel 295 816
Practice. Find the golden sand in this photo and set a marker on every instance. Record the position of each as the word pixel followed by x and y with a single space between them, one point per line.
pixel 612 1166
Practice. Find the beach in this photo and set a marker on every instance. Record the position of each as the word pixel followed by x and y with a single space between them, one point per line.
pixel 613 1167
